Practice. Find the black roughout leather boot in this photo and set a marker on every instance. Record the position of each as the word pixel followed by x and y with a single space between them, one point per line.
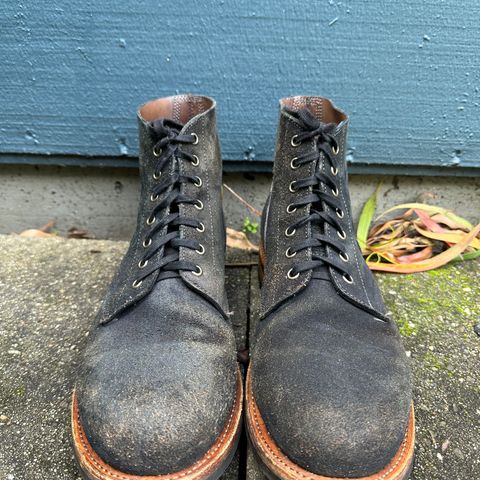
pixel 159 394
pixel 328 388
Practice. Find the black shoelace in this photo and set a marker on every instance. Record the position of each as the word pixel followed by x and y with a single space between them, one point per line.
pixel 326 145
pixel 165 230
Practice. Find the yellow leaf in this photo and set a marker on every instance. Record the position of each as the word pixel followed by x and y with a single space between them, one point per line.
pixel 365 220
pixel 450 237
pixel 431 209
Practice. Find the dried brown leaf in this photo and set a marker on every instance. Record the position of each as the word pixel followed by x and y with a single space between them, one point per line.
pixel 75 232
pixel 239 240
pixel 415 257
pixel 33 233
pixel 431 263
pixel 448 237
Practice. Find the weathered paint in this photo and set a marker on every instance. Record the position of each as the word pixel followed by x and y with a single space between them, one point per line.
pixel 407 72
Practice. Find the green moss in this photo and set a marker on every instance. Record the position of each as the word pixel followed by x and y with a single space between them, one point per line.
pixel 249 226
pixel 433 361
pixel 20 391
pixel 407 329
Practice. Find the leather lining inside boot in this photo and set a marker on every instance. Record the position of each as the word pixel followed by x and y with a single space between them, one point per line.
pixel 179 108
pixel 321 107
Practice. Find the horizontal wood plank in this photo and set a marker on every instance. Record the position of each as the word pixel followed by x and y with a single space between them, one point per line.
pixel 73 73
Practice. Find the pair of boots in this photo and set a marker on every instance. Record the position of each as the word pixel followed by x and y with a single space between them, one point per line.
pixel 159 394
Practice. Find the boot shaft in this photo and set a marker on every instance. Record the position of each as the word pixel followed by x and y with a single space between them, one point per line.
pixel 310 162
pixel 179 149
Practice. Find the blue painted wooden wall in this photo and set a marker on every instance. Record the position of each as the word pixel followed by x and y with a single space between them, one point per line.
pixel 408 72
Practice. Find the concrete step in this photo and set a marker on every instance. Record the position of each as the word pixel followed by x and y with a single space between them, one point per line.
pixel 51 289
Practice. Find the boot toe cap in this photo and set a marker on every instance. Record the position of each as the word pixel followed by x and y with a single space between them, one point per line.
pixel 339 444
pixel 157 428
pixel 334 394
pixel 158 385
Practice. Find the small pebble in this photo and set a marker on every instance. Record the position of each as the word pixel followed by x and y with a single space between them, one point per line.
pixel 440 457
pixel 476 329
pixel 458 453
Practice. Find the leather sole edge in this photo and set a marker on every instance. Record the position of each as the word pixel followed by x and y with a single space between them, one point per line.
pixel 278 466
pixel 209 467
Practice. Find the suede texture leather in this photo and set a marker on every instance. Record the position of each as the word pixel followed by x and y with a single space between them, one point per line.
pixel 157 385
pixel 276 288
pixel 211 284
pixel 158 380
pixel 329 372
pixel 332 383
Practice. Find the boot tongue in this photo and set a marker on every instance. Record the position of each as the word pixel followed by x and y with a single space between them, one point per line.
pixel 164 127
pixel 321 271
pixel 312 123
pixel 161 128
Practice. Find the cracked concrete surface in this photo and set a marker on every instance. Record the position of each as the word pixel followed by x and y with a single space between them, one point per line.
pixel 51 289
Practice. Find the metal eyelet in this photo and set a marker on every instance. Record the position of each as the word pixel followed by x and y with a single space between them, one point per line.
pixel 344 256
pixel 198 270
pixel 195 160
pixel 290 232
pixel 198 182
pixel 335 149
pixel 293 142
pixel 334 171
pixel 292 277
pixel 201 249
pixel 156 176
pixel 142 263
pixel 290 187
pixel 201 228
pixel 150 220
pixel 342 234
pixel 195 136
pixel 137 283
pixel 335 192
pixel 348 278
pixel 340 213
pixel 198 205
pixel 293 164
pixel 289 253
pixel 153 197
pixel 147 244
pixel 291 208
pixel 157 151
